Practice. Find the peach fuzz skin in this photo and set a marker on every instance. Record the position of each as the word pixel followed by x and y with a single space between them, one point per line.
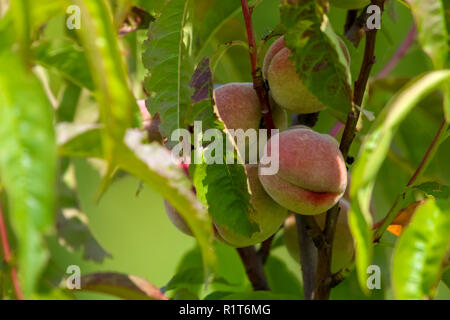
pixel 287 89
pixel 312 175
pixel 343 247
pixel 238 106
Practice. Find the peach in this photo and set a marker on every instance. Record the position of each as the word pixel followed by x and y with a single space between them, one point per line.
pixel 343 247
pixel 349 4
pixel 238 106
pixel 285 85
pixel 312 175
pixel 267 214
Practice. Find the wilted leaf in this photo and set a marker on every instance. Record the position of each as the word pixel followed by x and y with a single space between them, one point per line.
pixel 403 218
pixel 372 155
pixel 121 285
pixel 74 234
pixel 420 251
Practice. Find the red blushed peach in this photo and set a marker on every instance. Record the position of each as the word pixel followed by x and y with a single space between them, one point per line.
pixel 343 247
pixel 238 106
pixel 285 85
pixel 267 214
pixel 312 175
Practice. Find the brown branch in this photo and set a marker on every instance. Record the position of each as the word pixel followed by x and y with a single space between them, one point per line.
pixel 254 268
pixel 308 256
pixel 258 81
pixel 264 251
pixel 8 256
pixel 263 96
pixel 384 224
pixel 323 283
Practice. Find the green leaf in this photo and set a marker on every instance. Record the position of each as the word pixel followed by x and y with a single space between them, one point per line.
pixel 372 155
pixel 434 189
pixel 27 163
pixel 280 279
pixel 217 14
pixel 446 277
pixel 68 59
pixel 317 56
pixel 259 295
pixel 109 73
pixel 170 67
pixel 224 187
pixel 432 29
pixel 69 102
pixel 420 251
pixel 154 165
pixel 74 234
pixel 79 140
pixel 189 277
pixel 121 285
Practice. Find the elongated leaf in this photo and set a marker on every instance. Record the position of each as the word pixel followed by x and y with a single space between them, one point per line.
pixel 79 141
pixel 420 251
pixel 222 187
pixel 68 59
pixel 108 69
pixel 121 285
pixel 435 189
pixel 218 13
pixel 170 67
pixel 446 277
pixel 372 154
pixel 154 165
pixel 317 56
pixel 432 28
pixel 27 163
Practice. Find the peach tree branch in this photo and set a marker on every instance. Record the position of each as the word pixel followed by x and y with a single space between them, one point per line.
pixel 323 287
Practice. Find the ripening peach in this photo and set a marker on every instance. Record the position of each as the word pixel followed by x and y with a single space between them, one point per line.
pixel 237 104
pixel 343 247
pixel 285 85
pixel 312 174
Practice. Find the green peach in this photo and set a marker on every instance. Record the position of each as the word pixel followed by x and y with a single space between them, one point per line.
pixel 267 214
pixel 312 175
pixel 343 247
pixel 285 85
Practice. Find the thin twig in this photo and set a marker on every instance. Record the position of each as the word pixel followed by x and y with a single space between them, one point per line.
pixel 398 55
pixel 419 171
pixel 261 90
pixel 308 257
pixel 258 81
pixel 253 268
pixel 8 256
pixel 323 287
pixel 264 251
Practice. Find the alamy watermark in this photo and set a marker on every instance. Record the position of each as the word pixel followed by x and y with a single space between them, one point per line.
pixel 251 145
